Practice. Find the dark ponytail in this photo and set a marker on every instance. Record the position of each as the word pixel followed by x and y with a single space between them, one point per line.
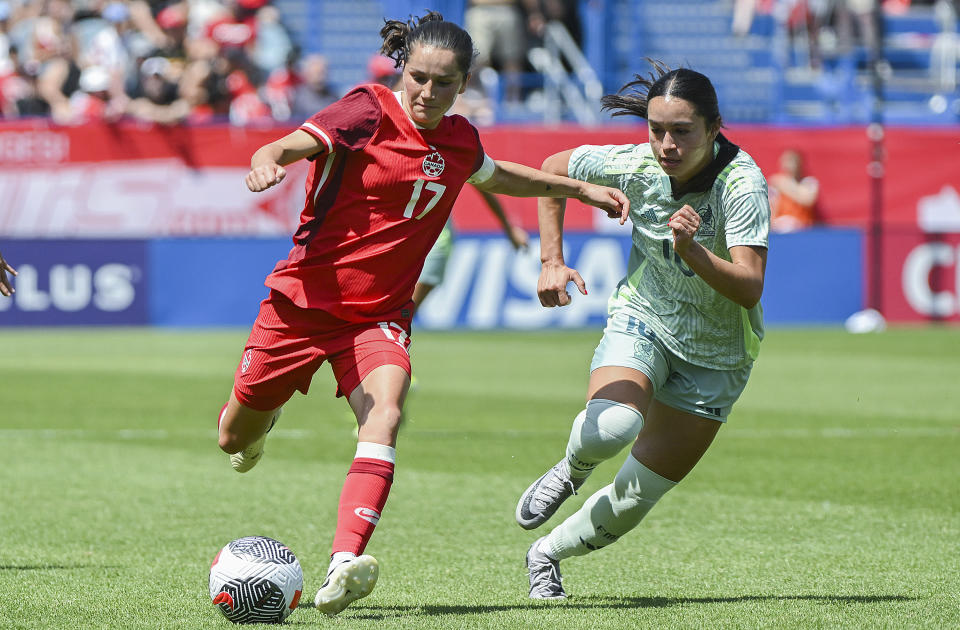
pixel 633 98
pixel 400 38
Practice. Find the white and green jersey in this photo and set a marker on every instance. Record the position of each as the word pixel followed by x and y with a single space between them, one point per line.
pixel 691 318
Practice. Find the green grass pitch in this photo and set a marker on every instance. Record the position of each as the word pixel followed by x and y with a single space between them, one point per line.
pixel 831 499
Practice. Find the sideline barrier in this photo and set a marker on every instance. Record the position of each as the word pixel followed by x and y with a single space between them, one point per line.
pixel 219 282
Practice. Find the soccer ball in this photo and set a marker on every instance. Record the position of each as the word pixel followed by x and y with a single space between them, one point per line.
pixel 256 580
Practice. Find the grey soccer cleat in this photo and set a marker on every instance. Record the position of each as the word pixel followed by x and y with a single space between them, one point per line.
pixel 545 495
pixel 250 456
pixel 545 578
pixel 347 582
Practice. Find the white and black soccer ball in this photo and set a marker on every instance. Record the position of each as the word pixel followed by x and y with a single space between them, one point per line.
pixel 256 580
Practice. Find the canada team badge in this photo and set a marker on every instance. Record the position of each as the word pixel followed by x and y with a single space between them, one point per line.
pixel 433 164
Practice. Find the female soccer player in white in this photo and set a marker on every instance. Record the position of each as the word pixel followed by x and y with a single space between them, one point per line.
pixel 386 168
pixel 684 325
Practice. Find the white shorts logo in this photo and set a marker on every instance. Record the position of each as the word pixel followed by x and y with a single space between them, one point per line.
pixel 368 514
pixel 433 164
pixel 395 333
pixel 247 357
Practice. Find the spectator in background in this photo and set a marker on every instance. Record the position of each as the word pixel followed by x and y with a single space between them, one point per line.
pixel 793 195
pixel 6 289
pixel 145 22
pixel 18 89
pixel 97 38
pixel 313 92
pixel 203 96
pixel 281 86
pixel 158 81
pixel 237 27
pixel 838 25
pixel 58 74
pixel 273 45
pixel 99 97
pixel 246 105
pixel 499 33
pixel 540 12
pixel 384 71
pixel 172 20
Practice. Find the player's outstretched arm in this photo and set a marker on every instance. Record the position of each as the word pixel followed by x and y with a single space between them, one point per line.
pixel 6 289
pixel 517 180
pixel 266 165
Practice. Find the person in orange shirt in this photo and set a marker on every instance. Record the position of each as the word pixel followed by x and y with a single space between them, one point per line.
pixel 793 195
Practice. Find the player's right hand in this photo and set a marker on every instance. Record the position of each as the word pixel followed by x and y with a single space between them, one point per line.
pixel 265 176
pixel 552 284
pixel 6 288
pixel 610 200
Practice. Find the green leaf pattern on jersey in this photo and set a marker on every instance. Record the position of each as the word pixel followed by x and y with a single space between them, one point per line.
pixel 691 318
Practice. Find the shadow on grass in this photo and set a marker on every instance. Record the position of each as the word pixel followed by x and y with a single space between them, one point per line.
pixel 590 602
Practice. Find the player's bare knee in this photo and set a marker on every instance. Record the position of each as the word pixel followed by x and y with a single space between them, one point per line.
pixel 381 424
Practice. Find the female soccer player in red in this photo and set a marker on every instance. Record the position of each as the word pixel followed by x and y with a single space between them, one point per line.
pixel 387 167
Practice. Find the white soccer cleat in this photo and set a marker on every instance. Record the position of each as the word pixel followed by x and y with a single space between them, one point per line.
pixel 545 578
pixel 347 582
pixel 250 456
pixel 545 495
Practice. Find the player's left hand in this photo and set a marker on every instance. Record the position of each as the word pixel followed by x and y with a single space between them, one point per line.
pixel 610 200
pixel 6 289
pixel 553 281
pixel 684 224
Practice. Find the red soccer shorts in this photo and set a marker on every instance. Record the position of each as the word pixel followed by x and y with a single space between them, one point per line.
pixel 288 344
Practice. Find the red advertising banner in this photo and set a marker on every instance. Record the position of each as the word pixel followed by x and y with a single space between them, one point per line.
pixel 920 276
pixel 922 173
pixel 125 181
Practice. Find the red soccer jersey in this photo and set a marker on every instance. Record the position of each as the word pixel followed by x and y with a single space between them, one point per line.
pixel 377 198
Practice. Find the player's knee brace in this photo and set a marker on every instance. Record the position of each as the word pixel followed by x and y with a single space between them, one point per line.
pixel 599 432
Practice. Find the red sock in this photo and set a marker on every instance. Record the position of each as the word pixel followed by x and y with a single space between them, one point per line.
pixel 361 501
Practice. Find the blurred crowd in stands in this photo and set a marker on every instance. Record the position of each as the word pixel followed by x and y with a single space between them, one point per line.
pixel 180 61
pixel 164 62
pixel 834 27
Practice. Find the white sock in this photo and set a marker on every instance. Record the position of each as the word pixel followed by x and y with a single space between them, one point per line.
pixel 610 513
